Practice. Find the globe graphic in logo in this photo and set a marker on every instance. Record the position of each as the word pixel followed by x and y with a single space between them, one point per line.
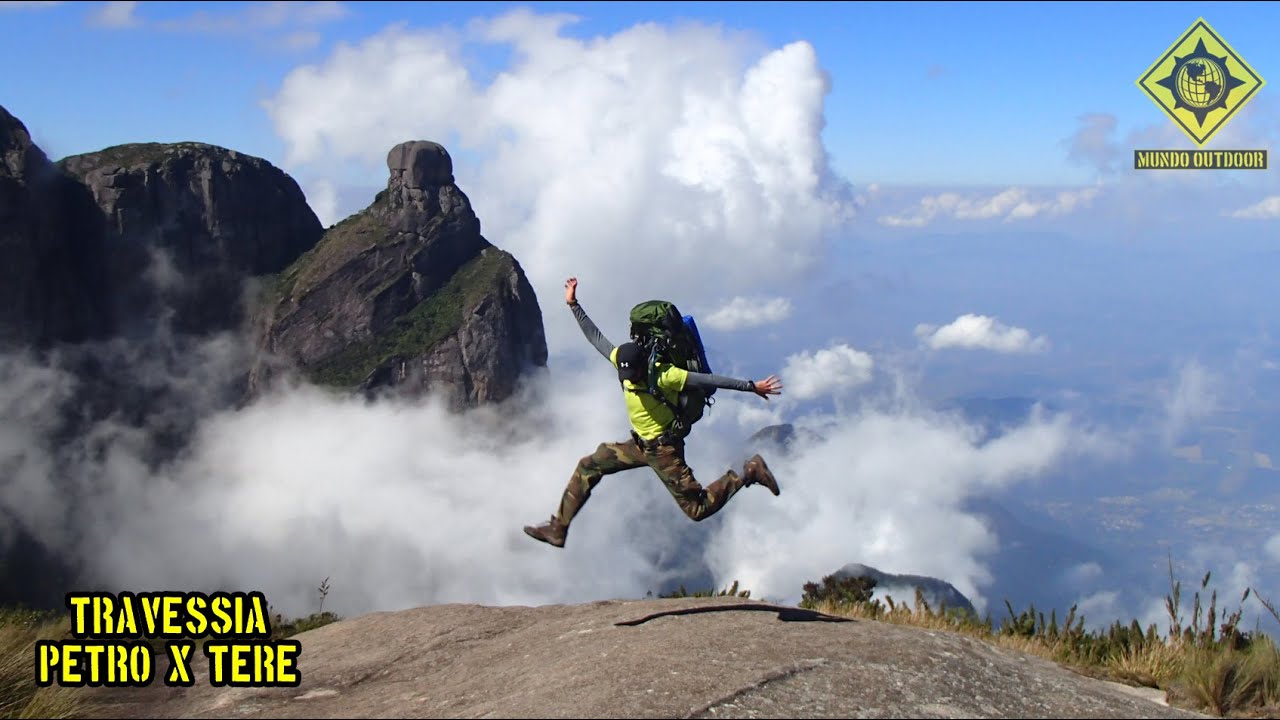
pixel 1200 82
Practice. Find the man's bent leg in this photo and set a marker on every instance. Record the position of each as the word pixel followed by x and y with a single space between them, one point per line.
pixel 609 458
pixel 696 502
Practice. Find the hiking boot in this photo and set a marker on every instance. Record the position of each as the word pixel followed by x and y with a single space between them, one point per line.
pixel 757 472
pixel 551 533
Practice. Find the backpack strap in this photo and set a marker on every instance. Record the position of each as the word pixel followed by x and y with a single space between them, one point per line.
pixel 678 427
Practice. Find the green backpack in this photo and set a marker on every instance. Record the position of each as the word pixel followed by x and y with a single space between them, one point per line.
pixel 658 326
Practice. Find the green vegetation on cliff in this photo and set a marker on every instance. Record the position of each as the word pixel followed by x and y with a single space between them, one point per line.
pixel 417 331
pixel 339 244
pixel 136 154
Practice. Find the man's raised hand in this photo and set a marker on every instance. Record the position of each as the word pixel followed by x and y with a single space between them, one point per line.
pixel 771 385
pixel 570 290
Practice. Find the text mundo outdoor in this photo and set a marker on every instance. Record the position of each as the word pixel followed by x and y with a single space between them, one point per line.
pixel 1200 159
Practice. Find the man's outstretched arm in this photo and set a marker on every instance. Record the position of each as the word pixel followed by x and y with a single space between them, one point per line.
pixel 769 386
pixel 589 329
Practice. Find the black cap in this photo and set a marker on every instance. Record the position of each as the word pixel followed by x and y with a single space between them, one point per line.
pixel 632 361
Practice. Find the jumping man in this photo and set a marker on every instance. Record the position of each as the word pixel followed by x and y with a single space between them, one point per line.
pixel 650 443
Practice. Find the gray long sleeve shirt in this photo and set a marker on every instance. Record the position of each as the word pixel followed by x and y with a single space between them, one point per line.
pixel 605 348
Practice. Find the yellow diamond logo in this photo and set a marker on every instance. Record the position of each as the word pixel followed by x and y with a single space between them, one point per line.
pixel 1200 82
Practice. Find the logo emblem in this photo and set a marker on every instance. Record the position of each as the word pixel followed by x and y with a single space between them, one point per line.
pixel 1200 82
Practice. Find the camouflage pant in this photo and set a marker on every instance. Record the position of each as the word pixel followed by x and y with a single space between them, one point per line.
pixel 666 460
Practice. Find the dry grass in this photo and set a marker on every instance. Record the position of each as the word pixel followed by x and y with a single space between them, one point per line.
pixel 1204 662
pixel 20 697
pixel 1149 665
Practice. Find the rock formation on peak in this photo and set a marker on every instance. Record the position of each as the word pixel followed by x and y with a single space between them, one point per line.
pixel 187 224
pixel 136 238
pixel 19 157
pixel 407 294
pixel 53 286
pixel 420 164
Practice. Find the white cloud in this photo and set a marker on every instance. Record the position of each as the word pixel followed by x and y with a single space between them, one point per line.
pixel 1273 547
pixel 1011 204
pixel 290 24
pixel 301 40
pixel 886 488
pixel 832 370
pixel 675 162
pixel 115 15
pixel 1084 573
pixel 1100 609
pixel 869 194
pixel 1193 397
pixel 1093 143
pixel 259 16
pixel 1263 209
pixel 322 196
pixel 741 312
pixel 282 13
pixel 384 498
pixel 972 332
pixel 753 416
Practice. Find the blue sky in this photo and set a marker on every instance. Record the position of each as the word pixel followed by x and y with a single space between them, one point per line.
pixel 981 93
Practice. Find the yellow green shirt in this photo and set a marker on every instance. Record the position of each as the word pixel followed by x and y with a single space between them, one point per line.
pixel 649 417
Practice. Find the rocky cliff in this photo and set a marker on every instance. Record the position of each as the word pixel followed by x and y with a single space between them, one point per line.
pixel 902 588
pixel 780 439
pixel 186 224
pixel 407 294
pixel 52 252
pixel 134 272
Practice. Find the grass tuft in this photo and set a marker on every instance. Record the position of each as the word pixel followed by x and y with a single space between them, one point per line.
pixel 20 697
